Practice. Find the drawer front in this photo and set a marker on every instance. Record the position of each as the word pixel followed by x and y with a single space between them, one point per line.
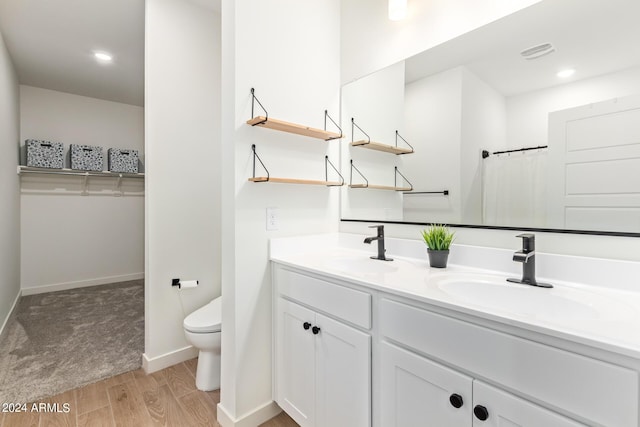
pixel 339 301
pixel 600 392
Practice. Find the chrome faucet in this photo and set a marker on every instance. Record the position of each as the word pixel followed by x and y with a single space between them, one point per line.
pixel 527 256
pixel 380 238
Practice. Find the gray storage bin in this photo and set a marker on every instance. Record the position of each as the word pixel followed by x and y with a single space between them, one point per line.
pixel 44 154
pixel 123 160
pixel 86 157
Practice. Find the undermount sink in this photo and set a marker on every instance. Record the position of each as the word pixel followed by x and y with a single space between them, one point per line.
pixel 361 265
pixel 498 294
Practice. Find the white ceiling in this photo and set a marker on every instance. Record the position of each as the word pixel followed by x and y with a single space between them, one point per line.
pixel 593 36
pixel 51 43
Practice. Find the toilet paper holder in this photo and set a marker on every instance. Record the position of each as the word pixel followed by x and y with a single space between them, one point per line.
pixel 176 282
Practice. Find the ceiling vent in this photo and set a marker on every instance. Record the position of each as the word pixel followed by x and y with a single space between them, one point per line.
pixel 538 51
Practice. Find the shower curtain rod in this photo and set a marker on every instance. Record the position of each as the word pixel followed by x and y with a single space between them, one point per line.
pixel 485 153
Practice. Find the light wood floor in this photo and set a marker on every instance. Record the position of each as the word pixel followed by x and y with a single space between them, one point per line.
pixel 165 398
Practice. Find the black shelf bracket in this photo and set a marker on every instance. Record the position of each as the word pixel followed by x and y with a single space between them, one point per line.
pixel 253 101
pixel 405 141
pixel 353 167
pixel 326 114
pixel 255 156
pixel 395 178
pixel 326 173
pixel 353 126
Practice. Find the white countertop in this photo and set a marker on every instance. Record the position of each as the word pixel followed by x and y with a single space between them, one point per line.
pixel 605 317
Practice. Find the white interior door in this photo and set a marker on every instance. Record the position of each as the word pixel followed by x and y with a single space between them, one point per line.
pixel 594 166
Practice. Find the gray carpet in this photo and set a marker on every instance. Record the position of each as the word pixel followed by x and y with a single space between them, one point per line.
pixel 62 340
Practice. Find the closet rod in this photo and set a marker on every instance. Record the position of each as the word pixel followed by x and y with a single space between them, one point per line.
pixel 485 153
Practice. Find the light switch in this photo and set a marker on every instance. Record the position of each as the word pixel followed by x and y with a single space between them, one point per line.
pixel 272 219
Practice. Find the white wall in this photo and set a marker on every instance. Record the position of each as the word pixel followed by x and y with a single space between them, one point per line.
pixel 433 111
pixel 71 240
pixel 528 114
pixel 9 186
pixel 370 41
pixel 289 52
pixel 183 148
pixel 377 104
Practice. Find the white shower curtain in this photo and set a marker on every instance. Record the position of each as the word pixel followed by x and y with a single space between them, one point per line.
pixel 515 188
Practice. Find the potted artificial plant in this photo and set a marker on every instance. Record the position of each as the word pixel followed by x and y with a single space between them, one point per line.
pixel 438 239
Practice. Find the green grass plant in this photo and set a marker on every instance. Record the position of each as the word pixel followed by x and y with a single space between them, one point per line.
pixel 438 237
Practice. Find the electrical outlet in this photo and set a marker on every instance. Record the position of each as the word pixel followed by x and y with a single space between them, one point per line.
pixel 272 219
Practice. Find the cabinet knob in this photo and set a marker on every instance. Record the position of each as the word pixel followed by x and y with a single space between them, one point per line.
pixel 306 325
pixel 315 330
pixel 481 412
pixel 456 400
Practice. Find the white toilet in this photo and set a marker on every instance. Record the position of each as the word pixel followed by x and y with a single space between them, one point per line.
pixel 202 329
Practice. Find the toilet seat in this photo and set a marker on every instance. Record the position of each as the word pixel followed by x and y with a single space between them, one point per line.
pixel 206 319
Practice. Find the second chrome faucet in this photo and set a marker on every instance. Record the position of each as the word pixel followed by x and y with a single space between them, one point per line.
pixel 380 238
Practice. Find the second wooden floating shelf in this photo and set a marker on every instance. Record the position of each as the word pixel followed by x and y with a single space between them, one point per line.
pixel 283 126
pixel 381 147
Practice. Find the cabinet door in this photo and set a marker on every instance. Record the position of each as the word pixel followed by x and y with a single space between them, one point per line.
pixel 295 355
pixel 506 410
pixel 343 375
pixel 418 392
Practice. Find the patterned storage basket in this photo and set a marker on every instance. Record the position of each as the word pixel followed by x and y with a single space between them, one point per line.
pixel 122 160
pixel 44 154
pixel 86 157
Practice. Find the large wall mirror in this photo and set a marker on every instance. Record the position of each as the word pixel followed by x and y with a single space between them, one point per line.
pixel 532 121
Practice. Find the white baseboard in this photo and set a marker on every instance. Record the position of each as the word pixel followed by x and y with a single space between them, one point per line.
pixel 32 290
pixel 13 308
pixel 252 419
pixel 168 359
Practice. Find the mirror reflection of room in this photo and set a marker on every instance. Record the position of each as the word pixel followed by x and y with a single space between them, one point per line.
pixel 538 129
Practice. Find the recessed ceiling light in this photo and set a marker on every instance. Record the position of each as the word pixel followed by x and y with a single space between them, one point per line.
pixel 103 56
pixel 566 73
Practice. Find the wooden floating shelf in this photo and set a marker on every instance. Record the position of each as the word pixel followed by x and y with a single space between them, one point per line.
pixel 381 147
pixel 292 128
pixel 295 181
pixel 380 187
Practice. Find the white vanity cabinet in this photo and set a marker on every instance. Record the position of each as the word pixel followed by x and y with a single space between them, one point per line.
pixel 351 355
pixel 323 365
pixel 416 391
pixel 416 343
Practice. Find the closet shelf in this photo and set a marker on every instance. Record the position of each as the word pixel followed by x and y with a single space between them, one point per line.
pixel 44 171
pixel 295 181
pixel 381 147
pixel 283 126
pixel 380 187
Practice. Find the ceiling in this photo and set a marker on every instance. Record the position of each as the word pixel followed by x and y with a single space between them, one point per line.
pixel 51 43
pixel 593 36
